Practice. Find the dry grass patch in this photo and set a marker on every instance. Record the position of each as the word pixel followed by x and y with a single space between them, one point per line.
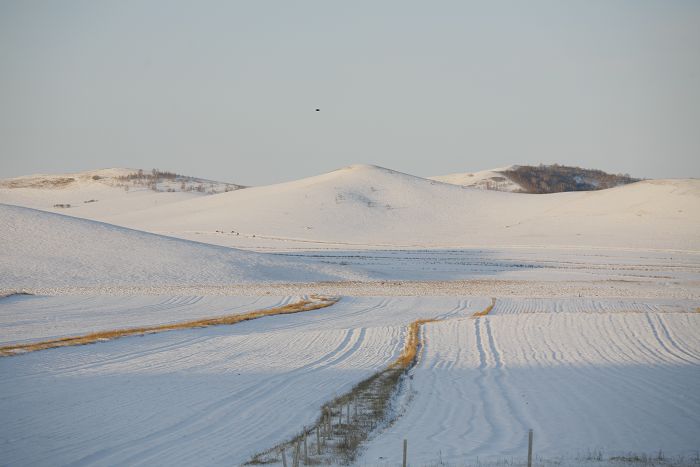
pixel 410 349
pixel 486 310
pixel 348 421
pixel 314 303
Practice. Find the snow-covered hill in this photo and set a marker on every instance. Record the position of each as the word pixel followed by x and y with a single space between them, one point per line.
pixel 367 206
pixel 538 179
pixel 41 249
pixel 493 179
pixel 95 194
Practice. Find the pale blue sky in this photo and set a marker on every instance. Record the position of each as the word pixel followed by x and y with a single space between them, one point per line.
pixel 227 90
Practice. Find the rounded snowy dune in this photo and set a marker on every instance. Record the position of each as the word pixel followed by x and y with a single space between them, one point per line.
pixel 365 205
pixel 41 249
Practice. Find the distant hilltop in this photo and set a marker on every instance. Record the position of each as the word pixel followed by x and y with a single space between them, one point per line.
pixel 538 179
pixel 155 180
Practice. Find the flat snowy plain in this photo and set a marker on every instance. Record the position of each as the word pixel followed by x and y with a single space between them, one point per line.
pixel 585 376
pixel 611 375
pixel 214 395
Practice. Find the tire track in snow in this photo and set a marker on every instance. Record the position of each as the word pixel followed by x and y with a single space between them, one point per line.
pixel 655 332
pixel 485 396
pixel 441 406
pixel 214 416
pixel 672 341
pixel 502 387
pixel 271 389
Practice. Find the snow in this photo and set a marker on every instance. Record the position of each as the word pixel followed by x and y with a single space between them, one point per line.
pixel 611 375
pixel 510 306
pixel 53 253
pixel 41 249
pixel 362 207
pixel 593 341
pixel 493 179
pixel 25 318
pixel 606 381
pixel 368 207
pixel 214 395
pixel 643 290
pixel 97 194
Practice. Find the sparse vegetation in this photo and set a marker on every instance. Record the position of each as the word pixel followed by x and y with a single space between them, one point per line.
pixel 61 205
pixel 558 178
pixel 54 182
pixel 155 180
pixel 364 408
pixel 486 310
pixel 149 180
pixel 314 303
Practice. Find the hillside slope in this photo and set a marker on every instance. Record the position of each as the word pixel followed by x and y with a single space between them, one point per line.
pixel 363 205
pixel 42 249
pixel 96 194
pixel 538 179
pixel 493 179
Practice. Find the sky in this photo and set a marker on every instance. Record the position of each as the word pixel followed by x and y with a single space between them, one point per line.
pixel 227 90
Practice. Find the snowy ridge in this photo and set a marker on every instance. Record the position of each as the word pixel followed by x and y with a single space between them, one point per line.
pixel 50 250
pixel 367 206
pixel 493 179
pixel 97 194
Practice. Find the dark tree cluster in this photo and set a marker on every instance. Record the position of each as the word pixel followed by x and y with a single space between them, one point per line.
pixel 557 178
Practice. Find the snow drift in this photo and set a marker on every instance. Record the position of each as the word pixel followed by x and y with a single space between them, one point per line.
pixel 42 249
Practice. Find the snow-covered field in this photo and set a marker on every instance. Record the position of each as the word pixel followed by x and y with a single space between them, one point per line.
pixel 593 341
pixel 608 380
pixel 610 375
pixel 25 318
pixel 212 396
pixel 52 251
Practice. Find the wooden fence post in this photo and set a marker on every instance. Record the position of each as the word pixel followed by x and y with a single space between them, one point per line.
pixel 306 450
pixel 295 451
pixel 405 452
pixel 529 448
pixel 318 440
pixel 330 423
